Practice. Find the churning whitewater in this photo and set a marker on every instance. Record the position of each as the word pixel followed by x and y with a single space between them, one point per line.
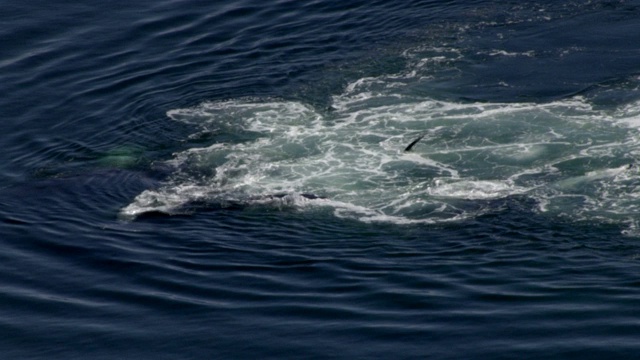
pixel 566 158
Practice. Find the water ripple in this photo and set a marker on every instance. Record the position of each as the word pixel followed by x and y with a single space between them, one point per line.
pixel 86 89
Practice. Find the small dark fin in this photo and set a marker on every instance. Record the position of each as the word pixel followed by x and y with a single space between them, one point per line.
pixel 630 166
pixel 408 148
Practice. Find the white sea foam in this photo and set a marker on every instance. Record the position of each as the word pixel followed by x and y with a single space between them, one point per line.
pixel 572 159
pixel 472 190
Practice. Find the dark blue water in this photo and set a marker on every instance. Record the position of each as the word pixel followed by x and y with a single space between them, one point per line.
pixel 228 180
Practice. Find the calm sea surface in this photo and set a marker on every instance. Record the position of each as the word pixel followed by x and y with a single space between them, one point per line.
pixel 185 179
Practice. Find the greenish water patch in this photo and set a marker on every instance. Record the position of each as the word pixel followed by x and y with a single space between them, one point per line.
pixel 123 157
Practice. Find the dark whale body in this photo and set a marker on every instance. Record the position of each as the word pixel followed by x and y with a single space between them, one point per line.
pixel 280 196
pixel 199 206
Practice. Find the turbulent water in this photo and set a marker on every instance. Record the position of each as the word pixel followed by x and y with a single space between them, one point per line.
pixel 573 161
pixel 188 180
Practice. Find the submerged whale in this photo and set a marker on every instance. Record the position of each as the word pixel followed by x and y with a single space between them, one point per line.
pixel 190 207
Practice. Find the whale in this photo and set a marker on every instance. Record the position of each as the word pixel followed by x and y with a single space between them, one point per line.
pixel 308 196
pixel 194 206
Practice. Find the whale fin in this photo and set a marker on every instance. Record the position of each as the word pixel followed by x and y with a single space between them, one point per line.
pixel 408 148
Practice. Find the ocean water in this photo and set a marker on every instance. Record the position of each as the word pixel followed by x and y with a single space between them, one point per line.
pixel 229 180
